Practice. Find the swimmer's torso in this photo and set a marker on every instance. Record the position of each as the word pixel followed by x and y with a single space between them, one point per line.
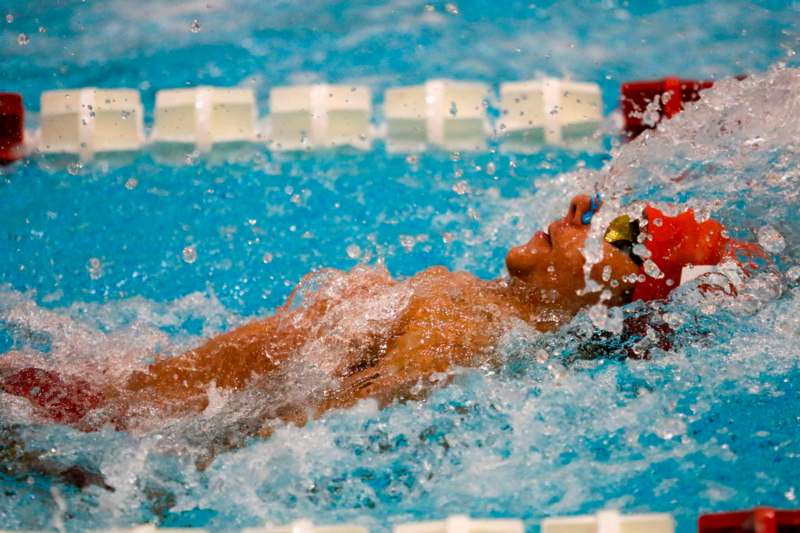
pixel 351 336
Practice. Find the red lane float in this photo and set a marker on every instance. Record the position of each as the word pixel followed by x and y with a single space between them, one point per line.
pixel 757 520
pixel 12 127
pixel 646 103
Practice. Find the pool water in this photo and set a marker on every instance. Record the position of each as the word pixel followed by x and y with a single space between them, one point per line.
pixel 113 261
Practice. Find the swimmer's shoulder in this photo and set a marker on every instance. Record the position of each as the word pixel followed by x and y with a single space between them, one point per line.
pixel 442 273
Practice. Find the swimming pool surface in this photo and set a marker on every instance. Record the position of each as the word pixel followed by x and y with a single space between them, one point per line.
pixel 116 260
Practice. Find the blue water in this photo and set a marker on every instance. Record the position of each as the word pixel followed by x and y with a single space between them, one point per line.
pixel 92 263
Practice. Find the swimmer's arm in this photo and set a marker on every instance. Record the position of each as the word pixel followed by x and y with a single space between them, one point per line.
pixel 228 360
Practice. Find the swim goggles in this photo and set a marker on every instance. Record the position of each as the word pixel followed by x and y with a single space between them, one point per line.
pixel 622 233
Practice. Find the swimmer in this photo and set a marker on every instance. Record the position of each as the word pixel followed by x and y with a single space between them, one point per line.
pixel 308 358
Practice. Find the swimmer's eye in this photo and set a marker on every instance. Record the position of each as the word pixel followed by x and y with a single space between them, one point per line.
pixel 622 234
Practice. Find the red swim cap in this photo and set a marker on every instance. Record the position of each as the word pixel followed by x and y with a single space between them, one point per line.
pixel 675 242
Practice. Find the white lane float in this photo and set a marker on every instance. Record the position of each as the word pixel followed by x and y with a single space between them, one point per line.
pixel 444 113
pixel 205 116
pixel 89 121
pixel 320 116
pixel 307 526
pixel 548 111
pixel 462 524
pixel 611 522
pixel 149 528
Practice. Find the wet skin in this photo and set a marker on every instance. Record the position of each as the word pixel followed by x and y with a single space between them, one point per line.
pixel 451 320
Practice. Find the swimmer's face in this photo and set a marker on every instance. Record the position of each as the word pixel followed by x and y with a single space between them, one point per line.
pixel 552 263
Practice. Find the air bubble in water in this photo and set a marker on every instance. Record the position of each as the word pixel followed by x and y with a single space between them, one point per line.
pixel 131 183
pixel 74 168
pixel 266 258
pixel 451 8
pixel 771 240
pixel 23 39
pixel 491 168
pixel 194 27
pixel 353 251
pixel 189 254
pixel 412 159
pixel 9 18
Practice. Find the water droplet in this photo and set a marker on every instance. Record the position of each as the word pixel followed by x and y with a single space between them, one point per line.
pixel 455 156
pixel 606 273
pixel 451 8
pixel 491 168
pixel 23 39
pixel 771 240
pixel 793 274
pixel 189 254
pixel 353 251
pixel 412 159
pixel 266 258
pixel 9 18
pixel 542 356
pixel 641 250
pixel 657 222
pixel 131 183
pixel 74 168
pixel 42 29
pixel 95 268
pixel 652 270
pixel 194 27
pixel 407 242
pixel 461 188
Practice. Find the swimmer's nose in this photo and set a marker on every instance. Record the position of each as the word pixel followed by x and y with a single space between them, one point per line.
pixel 581 209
